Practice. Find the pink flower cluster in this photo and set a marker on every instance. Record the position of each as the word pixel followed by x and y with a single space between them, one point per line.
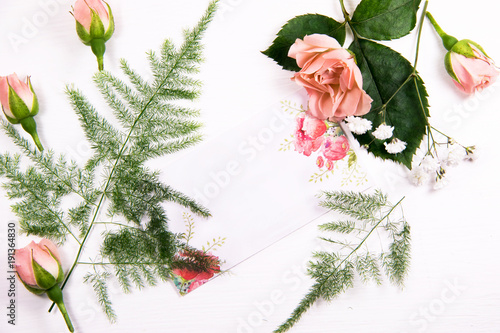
pixel 311 136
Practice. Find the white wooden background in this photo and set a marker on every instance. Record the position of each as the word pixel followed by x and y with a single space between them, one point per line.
pixel 453 284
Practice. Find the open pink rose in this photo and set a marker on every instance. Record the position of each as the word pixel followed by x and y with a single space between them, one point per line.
pixel 335 148
pixel 471 73
pixel 331 78
pixel 309 134
pixel 34 256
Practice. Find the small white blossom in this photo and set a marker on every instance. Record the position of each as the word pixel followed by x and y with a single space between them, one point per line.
pixel 441 181
pixel 383 132
pixel 471 154
pixel 358 125
pixel 395 146
pixel 419 176
pixel 456 154
pixel 430 164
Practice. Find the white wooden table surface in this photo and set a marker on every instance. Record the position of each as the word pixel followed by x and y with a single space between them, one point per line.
pixel 453 285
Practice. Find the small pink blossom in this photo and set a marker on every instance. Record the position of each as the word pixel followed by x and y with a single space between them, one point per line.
pixel 309 134
pixel 320 162
pixel 329 165
pixel 336 148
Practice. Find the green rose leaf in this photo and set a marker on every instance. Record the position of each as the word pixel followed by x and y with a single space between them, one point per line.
pixel 399 99
pixel 298 27
pixel 385 19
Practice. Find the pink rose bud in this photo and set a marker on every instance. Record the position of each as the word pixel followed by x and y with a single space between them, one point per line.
pixel 331 78
pixel 38 266
pixel 39 269
pixel 466 62
pixel 469 66
pixel 20 104
pixel 94 25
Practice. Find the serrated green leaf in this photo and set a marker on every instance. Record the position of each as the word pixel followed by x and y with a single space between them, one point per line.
pixel 399 104
pixel 385 19
pixel 298 27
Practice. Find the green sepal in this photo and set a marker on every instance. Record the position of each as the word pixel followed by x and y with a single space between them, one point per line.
pixel 449 67
pixel 464 48
pixel 31 289
pixel 96 26
pixel 385 19
pixel 297 28
pixel 12 120
pixel 60 274
pixel 17 106
pixel 44 279
pixel 111 28
pixel 83 33
pixel 36 107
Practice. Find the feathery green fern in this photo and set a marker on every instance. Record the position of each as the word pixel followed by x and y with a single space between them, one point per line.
pixel 333 271
pixel 115 188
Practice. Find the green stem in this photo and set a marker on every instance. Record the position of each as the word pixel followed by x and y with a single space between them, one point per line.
pixel 312 297
pixel 55 295
pixel 345 13
pixel 420 26
pixel 29 126
pixel 448 41
pixel 116 263
pixel 111 173
pixel 372 230
pixel 98 48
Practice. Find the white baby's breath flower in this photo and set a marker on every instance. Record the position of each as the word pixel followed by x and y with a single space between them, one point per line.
pixel 471 153
pixel 441 181
pixel 430 164
pixel 395 146
pixel 358 125
pixel 383 132
pixel 456 154
pixel 418 176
